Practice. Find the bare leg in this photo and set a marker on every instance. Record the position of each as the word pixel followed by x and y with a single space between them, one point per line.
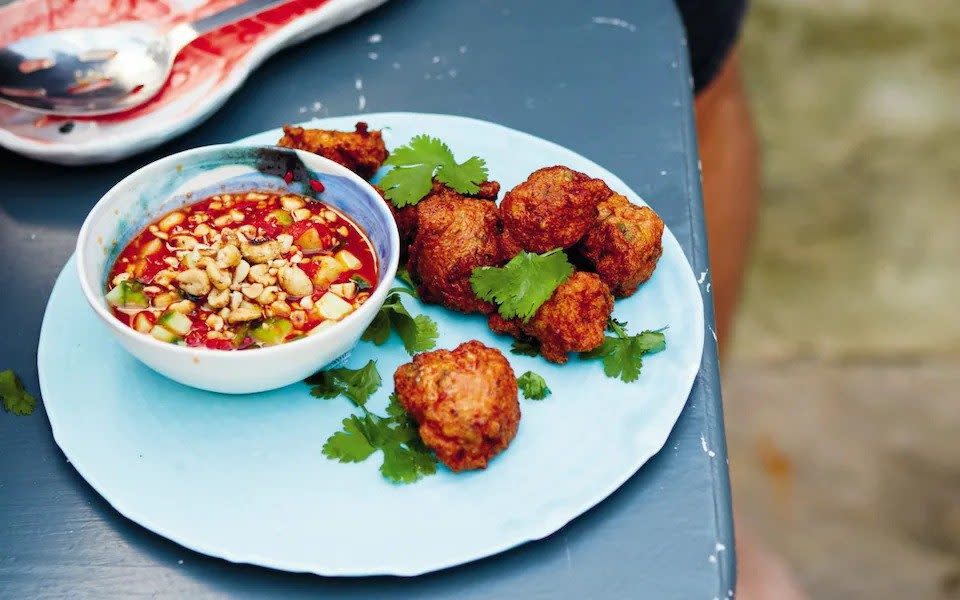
pixel 761 574
pixel 731 186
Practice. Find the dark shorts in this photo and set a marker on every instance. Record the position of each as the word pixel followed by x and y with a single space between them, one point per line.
pixel 712 29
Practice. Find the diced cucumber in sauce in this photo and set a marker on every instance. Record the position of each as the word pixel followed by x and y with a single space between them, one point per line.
pixel 283 217
pixel 329 271
pixel 128 294
pixel 272 331
pixel 331 306
pixel 177 323
pixel 240 335
pixel 348 260
pixel 309 242
pixel 164 335
pixel 344 290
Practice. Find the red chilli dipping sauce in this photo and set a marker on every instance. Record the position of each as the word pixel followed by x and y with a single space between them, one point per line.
pixel 244 270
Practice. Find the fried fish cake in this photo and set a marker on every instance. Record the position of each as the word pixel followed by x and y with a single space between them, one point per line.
pixel 362 151
pixel 553 208
pixel 406 217
pixel 572 320
pixel 624 244
pixel 454 235
pixel 464 401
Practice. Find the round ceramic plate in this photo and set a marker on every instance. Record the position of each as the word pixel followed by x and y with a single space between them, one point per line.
pixel 243 477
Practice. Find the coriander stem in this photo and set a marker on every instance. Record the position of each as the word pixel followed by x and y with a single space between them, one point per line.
pixel 403 290
pixel 618 330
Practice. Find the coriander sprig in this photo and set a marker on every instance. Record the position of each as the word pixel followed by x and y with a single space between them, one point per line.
pixel 15 398
pixel 533 386
pixel 356 384
pixel 404 276
pixel 622 353
pixel 405 457
pixel 521 286
pixel 525 347
pixel 418 334
pixel 416 164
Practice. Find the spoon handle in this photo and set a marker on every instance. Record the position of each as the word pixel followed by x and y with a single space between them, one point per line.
pixel 234 13
pixel 184 33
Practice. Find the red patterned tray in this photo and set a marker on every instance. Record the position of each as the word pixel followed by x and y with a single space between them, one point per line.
pixel 204 75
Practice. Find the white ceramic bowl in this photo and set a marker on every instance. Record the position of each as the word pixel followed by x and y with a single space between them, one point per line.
pixel 191 176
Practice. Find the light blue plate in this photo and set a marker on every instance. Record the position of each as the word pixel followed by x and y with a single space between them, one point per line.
pixel 243 478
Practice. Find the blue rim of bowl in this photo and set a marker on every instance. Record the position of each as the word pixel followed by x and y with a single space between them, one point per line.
pixel 169 163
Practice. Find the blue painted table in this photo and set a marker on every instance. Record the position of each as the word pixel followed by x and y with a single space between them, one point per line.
pixel 608 79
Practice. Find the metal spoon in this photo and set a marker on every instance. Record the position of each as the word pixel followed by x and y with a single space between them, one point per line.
pixel 101 70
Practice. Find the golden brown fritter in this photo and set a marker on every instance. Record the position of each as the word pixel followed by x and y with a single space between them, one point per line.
pixel 572 320
pixel 553 208
pixel 406 217
pixel 454 235
pixel 362 151
pixel 509 246
pixel 489 190
pixel 624 244
pixel 464 400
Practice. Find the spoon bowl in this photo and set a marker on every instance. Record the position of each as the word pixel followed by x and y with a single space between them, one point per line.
pixel 85 72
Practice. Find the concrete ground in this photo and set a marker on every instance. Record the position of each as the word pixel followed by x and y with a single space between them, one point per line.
pixel 851 471
pixel 842 387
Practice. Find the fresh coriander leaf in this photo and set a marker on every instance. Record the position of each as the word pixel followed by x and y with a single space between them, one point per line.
pixel 650 342
pixel 602 350
pixel 403 428
pixel 534 387
pixel 416 164
pixel 358 384
pixel 323 384
pixel 326 391
pixel 525 347
pixel 319 378
pixel 361 282
pixel 351 444
pixel 465 176
pixel 624 361
pixel 405 457
pixel 422 149
pixel 395 410
pixel 404 276
pixel 407 463
pixel 403 290
pixel 418 333
pixel 15 398
pixel 612 324
pixel 378 331
pixel 523 284
pixel 622 355
pixel 405 186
